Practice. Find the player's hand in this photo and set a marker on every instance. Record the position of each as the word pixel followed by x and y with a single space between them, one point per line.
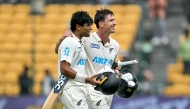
pixel 92 80
pixel 67 33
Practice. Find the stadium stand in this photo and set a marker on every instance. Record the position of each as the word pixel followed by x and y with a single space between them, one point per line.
pixel 21 35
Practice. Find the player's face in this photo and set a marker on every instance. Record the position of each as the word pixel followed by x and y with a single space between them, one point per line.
pixel 85 30
pixel 109 24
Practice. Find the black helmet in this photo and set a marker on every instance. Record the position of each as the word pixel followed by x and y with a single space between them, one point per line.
pixel 126 90
pixel 109 83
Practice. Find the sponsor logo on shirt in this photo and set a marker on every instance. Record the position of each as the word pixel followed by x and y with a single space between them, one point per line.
pixel 66 51
pixel 81 62
pixel 97 46
pixel 101 60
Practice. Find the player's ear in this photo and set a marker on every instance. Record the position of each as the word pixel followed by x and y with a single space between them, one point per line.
pixel 78 27
pixel 100 23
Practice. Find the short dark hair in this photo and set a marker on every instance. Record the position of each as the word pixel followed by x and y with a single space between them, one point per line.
pixel 81 18
pixel 101 15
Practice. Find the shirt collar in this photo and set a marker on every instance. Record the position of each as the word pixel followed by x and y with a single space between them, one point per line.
pixel 76 38
pixel 99 40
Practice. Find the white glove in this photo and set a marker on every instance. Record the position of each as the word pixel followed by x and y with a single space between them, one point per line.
pixel 131 83
pixel 127 77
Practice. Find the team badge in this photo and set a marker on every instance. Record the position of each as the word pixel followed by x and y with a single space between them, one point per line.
pixel 110 50
pixel 66 51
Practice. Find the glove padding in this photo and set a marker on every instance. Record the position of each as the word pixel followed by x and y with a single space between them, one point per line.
pixel 128 84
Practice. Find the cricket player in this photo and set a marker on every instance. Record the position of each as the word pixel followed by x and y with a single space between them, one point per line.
pixel 101 50
pixel 71 63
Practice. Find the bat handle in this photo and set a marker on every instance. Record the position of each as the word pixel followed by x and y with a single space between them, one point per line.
pixel 120 64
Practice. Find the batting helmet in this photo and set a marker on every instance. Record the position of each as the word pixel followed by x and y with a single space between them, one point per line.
pixel 128 84
pixel 109 83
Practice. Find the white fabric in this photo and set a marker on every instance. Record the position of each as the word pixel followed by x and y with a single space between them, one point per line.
pixel 74 98
pixel 67 51
pixel 99 55
pixel 80 78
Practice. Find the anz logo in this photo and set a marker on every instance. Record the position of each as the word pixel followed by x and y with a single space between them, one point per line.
pixel 100 60
pixel 81 62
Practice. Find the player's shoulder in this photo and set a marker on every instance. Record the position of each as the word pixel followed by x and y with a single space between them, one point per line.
pixel 69 41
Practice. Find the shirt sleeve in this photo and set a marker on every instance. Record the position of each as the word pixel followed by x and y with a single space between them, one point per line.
pixel 67 49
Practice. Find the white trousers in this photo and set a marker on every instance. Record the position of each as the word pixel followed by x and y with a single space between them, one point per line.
pixel 84 97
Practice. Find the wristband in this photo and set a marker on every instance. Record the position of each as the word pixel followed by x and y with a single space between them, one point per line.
pixel 80 78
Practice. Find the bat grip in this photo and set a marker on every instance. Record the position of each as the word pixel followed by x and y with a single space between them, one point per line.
pixel 127 63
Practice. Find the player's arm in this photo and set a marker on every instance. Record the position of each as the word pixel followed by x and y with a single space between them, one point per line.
pixel 66 34
pixel 70 73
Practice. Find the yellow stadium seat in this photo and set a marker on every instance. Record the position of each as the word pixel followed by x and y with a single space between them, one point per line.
pixel 37 88
pixel 15 67
pixel 22 57
pixel 132 9
pixel 37 19
pixel 39 76
pixel 53 18
pixel 42 66
pixel 12 37
pixel 45 48
pixel 22 18
pixel 8 47
pixel 5 56
pixel 24 47
pixel 49 28
pixel 22 8
pixel 2 89
pixel 16 27
pixel 2 68
pixel 65 18
pixel 116 8
pixel 2 36
pixel 86 7
pixel 5 18
pixel 56 37
pixel 43 38
pixel 68 8
pixel 7 8
pixel 61 28
pixel 46 57
pixel 4 28
pixel 45 28
pixel 26 37
pixel 52 57
pixel 39 57
pixel 12 89
pixel 52 8
pixel 10 77
pixel 131 19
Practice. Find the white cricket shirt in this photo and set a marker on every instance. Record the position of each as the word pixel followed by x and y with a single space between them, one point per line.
pixel 72 51
pixel 98 55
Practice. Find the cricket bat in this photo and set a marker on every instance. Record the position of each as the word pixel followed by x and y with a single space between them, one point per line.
pixel 54 94
pixel 57 89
